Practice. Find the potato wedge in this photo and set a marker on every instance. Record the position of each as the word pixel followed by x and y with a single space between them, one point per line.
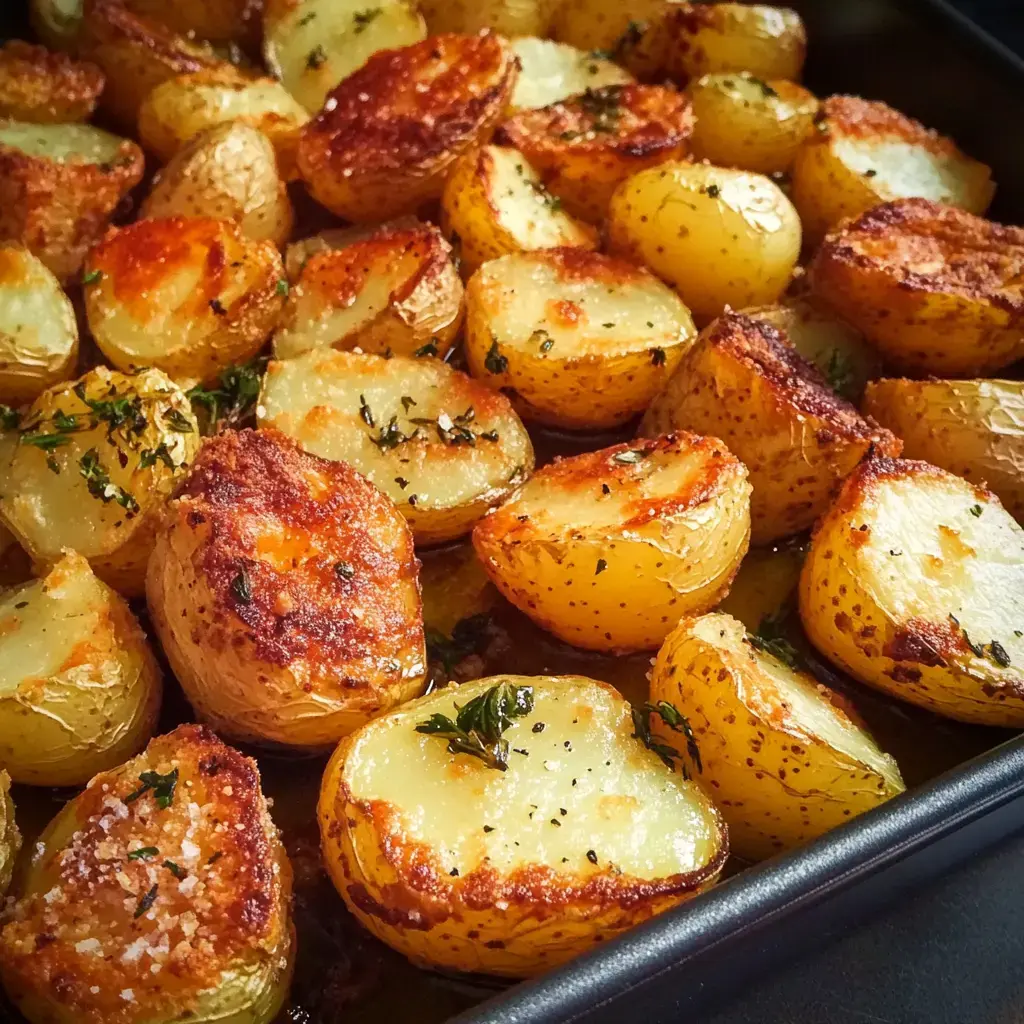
pixel 169 861
pixel 973 428
pixel 217 21
pixel 228 172
pixel 312 45
pixel 509 17
pixel 784 760
pixel 56 22
pixel 90 467
pixel 388 135
pixel 38 331
pixel 652 531
pixel 914 584
pixel 10 837
pixel 865 153
pixel 553 71
pixel 283 590
pixel 43 87
pixel 616 836
pixel 585 145
pixel 188 295
pixel 441 446
pixel 580 340
pixel 395 291
pixel 744 383
pixel 495 203
pixel 934 289
pixel 59 184
pixel 720 237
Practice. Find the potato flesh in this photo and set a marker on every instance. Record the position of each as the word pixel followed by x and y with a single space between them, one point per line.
pixel 62 143
pixel 554 71
pixel 10 837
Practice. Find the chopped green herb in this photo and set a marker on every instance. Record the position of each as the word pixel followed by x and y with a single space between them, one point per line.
pixel 363 18
pixel 658 357
pixel 430 349
pixel 9 418
pixel 770 639
pixel 494 361
pixel 282 286
pixel 976 510
pixel 714 191
pixel 144 853
pixel 241 587
pixel 407 403
pixel 766 90
pixel 839 372
pixel 146 902
pixel 998 653
pixel 390 436
pixel 469 636
pixel 178 421
pixel 315 58
pixel 677 722
pixel 162 786
pixel 47 442
pixel 92 277
pixel 364 412
pixel 231 401
pixel 174 869
pixel 345 570
pixel 150 456
pixel 100 486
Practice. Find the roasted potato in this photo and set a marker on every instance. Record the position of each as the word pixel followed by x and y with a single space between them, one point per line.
pixel 746 122
pixel 59 184
pixel 778 751
pixel 312 45
pixel 81 691
pixel 56 22
pixel 228 172
pixel 523 859
pixel 585 145
pixel 509 17
pixel 90 467
pixel 10 837
pixel 188 295
pixel 283 590
pixel 744 383
pixel 914 584
pixel 973 428
pixel 551 71
pixel 865 153
pixel 395 291
pixel 219 21
pixel 389 133
pixel 495 203
pixel 38 331
pixel 653 531
pixel 934 289
pixel 43 87
pixel 159 894
pixel 578 339
pixel 719 237
pixel 298 253
pixel 441 446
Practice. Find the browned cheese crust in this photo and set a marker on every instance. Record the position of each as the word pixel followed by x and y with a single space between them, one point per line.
pixel 43 87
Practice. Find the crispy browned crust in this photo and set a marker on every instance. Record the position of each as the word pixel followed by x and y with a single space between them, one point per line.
pixel 43 87
pixel 858 118
pixel 215 831
pixel 218 21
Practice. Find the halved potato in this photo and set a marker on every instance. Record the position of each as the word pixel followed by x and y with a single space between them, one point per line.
pixel 38 331
pixel 79 686
pixel 578 339
pixel 312 45
pixel 395 291
pixel 298 253
pixel 283 589
pixel 509 17
pixel 720 237
pixel 583 835
pixel 59 184
pixel 744 383
pixel 973 428
pixel 936 290
pixel 188 295
pixel 228 172
pixel 865 153
pixel 56 22
pixel 10 837
pixel 161 893
pixel 777 750
pixel 551 71
pixel 218 21
pixel 608 549
pixel 495 203
pixel 389 133
pixel 43 87
pixel 914 584
pixel 585 145
pixel 90 468
pixel 744 121
pixel 441 446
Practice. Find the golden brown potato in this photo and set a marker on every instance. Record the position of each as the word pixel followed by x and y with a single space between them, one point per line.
pixel 388 135
pixel 743 383
pixel 43 87
pixel 578 339
pixel 934 289
pixel 228 172
pixel 780 754
pixel 10 837
pixel 298 253
pixel 585 145
pixel 283 590
pixel 914 584
pixel 59 184
pixel 509 17
pixel 551 71
pixel 188 295
pixel 219 21
pixel 864 153
pixel 395 291
pixel 532 856
pixel 159 894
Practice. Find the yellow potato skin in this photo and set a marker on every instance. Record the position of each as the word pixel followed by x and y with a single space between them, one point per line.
pixel 10 837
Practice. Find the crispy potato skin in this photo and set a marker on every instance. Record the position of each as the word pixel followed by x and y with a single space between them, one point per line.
pixel 586 145
pixel 389 134
pixel 10 837
pixel 912 575
pixel 43 87
pixel 273 642
pixel 219 21
pixel 79 944
pixel 935 289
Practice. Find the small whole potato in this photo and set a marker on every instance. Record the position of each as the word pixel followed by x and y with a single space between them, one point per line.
pixel 10 837
pixel 551 71
pixel 509 17
pixel 46 88
pixel 719 237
